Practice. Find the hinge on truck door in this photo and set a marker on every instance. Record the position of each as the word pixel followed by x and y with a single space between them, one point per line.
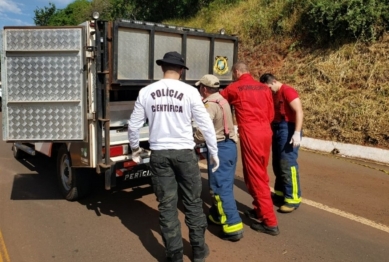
pixel 90 48
pixel 91 116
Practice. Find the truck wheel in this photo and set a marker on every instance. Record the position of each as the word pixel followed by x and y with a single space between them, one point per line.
pixel 18 154
pixel 74 183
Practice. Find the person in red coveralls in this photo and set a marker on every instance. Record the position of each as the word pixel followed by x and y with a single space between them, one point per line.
pixel 286 128
pixel 254 111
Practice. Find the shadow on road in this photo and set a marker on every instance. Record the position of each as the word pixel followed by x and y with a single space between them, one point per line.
pixel 242 207
pixel 41 183
pixel 135 215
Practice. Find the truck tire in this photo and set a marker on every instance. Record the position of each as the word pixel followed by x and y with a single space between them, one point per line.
pixel 73 182
pixel 18 154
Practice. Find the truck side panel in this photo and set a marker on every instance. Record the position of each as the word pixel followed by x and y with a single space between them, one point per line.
pixel 137 45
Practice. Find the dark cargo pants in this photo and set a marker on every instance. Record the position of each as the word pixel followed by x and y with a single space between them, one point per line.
pixel 285 166
pixel 173 169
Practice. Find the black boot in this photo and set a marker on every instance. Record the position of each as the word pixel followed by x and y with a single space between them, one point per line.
pixel 231 237
pixel 175 257
pixel 261 227
pixel 199 254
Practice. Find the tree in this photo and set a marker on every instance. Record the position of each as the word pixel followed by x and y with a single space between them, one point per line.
pixel 121 9
pixel 43 15
pixel 149 10
pixel 74 14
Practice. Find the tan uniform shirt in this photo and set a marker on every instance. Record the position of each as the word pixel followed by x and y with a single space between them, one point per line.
pixel 216 114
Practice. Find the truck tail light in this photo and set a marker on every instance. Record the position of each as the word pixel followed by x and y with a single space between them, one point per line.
pixel 118 150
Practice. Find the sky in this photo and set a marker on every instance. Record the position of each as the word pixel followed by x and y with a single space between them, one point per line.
pixel 21 12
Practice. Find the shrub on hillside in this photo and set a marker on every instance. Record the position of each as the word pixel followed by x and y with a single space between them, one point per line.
pixel 327 20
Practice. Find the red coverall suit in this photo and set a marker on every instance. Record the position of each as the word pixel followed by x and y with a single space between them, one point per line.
pixel 254 109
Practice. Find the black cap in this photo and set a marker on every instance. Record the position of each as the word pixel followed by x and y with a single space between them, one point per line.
pixel 172 58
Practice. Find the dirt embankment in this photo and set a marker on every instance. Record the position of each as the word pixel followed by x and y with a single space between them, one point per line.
pixel 345 91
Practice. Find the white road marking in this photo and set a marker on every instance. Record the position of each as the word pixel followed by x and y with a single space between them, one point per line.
pixel 338 212
pixel 344 214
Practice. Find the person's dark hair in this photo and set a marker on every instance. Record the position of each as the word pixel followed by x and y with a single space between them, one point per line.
pixel 166 67
pixel 267 78
pixel 211 90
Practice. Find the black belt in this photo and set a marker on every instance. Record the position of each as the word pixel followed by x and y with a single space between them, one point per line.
pixel 225 140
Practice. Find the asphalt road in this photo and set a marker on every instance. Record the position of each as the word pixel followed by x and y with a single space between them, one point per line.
pixel 345 217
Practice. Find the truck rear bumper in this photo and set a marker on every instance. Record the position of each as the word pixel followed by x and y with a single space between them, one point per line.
pixel 129 170
pixel 123 169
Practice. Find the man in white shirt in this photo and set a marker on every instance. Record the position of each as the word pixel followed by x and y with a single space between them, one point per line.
pixel 169 105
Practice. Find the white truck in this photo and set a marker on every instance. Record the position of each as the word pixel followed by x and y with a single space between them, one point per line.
pixel 68 91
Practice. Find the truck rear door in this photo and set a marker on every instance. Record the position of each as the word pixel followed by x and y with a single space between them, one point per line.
pixel 43 81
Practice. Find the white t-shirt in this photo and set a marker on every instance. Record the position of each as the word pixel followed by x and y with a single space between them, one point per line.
pixel 169 105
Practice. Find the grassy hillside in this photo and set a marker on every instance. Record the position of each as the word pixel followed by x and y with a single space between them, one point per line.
pixel 344 85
